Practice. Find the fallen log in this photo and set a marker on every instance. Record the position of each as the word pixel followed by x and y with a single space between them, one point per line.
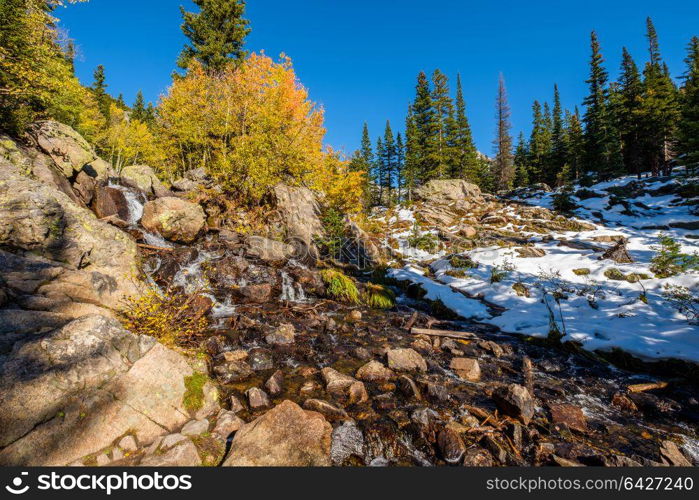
pixel 647 387
pixel 153 247
pixel 443 333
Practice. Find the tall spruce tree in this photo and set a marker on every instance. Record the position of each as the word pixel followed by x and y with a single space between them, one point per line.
pixel 389 165
pixel 411 165
pixel 138 110
pixel 558 150
pixel 400 166
pixel 603 148
pixel 99 89
pixel 659 109
pixel 629 114
pixel 423 117
pixel 216 34
pixel 465 155
pixel 503 164
pixel 574 145
pixel 521 159
pixel 538 145
pixel 688 132
pixel 439 157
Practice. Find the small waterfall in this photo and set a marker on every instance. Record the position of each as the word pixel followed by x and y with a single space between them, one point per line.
pixel 190 277
pixel 291 291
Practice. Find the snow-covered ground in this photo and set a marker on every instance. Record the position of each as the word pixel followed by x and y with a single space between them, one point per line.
pixel 599 312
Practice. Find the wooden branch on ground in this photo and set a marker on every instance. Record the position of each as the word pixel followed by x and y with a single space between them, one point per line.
pixel 647 387
pixel 443 333
pixel 152 247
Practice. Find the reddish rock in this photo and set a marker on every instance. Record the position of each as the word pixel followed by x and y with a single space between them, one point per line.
pixel 569 415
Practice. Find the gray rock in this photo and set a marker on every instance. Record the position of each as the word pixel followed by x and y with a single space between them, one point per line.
pixel 195 428
pixel 227 423
pixel 515 401
pixel 257 398
pixel 329 411
pixel 267 250
pixel 185 454
pixel 143 177
pixel 406 360
pixel 275 383
pixel 374 371
pixel 444 191
pixel 174 219
pixel 347 440
pixel 451 446
pixel 283 334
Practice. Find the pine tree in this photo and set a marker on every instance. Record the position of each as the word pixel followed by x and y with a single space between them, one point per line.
pixel 558 151
pixel 389 165
pixel 628 113
pixel 379 171
pixel 439 165
pixel 688 132
pixel 423 118
pixel 400 166
pixel 538 145
pixel 603 149
pixel 411 165
pixel 216 34
pixel 99 89
pixel 574 139
pixel 465 155
pixel 503 164
pixel 138 110
pixel 659 108
pixel 521 159
pixel 120 102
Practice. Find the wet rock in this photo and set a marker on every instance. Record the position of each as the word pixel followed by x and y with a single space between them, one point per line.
pixel 329 411
pixel 362 353
pixel 257 398
pixel 111 201
pixel 466 368
pixel 309 387
pixel 184 454
pixel 408 387
pixel 670 454
pixel 233 371
pixel 437 391
pixel 336 382
pixel 266 250
pixel 260 360
pixel 354 316
pixel 619 461
pixel 174 219
pixel 195 427
pixel 275 383
pixel 374 371
pixel 227 422
pixel 145 179
pixel 283 334
pixel 286 435
pixel 385 402
pixel 236 405
pixel 357 393
pixel 495 448
pixel 451 446
pixel 515 401
pixel 477 457
pixel 200 306
pixel 569 415
pixel 623 402
pixel 424 416
pixel 492 347
pixel 564 462
pixel 347 441
pixel 406 360
pixel 254 294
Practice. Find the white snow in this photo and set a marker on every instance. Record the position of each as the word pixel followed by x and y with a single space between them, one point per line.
pixel 598 312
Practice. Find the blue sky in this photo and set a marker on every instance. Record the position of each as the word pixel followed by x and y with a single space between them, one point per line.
pixel 359 58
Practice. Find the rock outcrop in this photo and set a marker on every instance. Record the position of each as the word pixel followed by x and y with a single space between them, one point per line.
pixel 144 178
pixel 298 211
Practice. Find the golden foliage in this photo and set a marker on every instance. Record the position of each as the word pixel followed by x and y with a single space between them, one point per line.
pixel 341 188
pixel 128 141
pixel 166 316
pixel 340 286
pixel 251 127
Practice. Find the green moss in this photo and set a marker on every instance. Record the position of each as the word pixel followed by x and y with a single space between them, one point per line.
pixel 462 261
pixel 583 271
pixel 378 296
pixel 193 398
pixel 340 286
pixel 456 273
pixel 521 289
pixel 614 274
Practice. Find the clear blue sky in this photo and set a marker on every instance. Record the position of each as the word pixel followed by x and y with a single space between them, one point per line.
pixel 359 58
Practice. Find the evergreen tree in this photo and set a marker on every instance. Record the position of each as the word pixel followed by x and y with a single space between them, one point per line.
pixel 521 159
pixel 423 118
pixel 628 114
pixel 411 165
pixel 688 132
pixel 558 150
pixel 574 139
pixel 465 156
pixel 138 110
pixel 538 145
pixel 603 150
pixel 503 164
pixel 379 171
pixel 659 108
pixel 120 102
pixel 99 89
pixel 400 166
pixel 439 164
pixel 216 34
pixel 389 165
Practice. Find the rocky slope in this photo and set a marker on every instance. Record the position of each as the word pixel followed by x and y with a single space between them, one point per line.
pixel 285 375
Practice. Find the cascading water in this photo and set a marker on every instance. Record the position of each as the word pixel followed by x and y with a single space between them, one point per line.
pixel 291 291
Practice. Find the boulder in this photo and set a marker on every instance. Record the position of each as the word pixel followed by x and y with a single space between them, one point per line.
pixel 514 400
pixel 257 398
pixel 68 149
pixel 406 360
pixel 448 190
pixel 286 435
pixel 347 441
pixel 569 415
pixel 110 201
pixel 466 368
pixel 451 446
pixel 184 454
pixel 267 250
pixel 299 212
pixel 374 371
pixel 143 177
pixel 174 219
pixel 77 389
pixel 328 410
pixel 282 335
pixel 530 252
pixel 227 423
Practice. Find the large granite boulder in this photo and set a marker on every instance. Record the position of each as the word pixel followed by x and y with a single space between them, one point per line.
pixel 448 190
pixel 298 211
pixel 174 218
pixel 76 390
pixel 285 436
pixel 68 149
pixel 144 178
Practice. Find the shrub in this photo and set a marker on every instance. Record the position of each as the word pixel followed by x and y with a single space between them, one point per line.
pixel 669 259
pixel 426 242
pixel 500 272
pixel 563 201
pixel 378 296
pixel 168 317
pixel 340 286
pixel 462 261
pixel 334 232
pixel 684 300
pixel 614 274
pixel 583 271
